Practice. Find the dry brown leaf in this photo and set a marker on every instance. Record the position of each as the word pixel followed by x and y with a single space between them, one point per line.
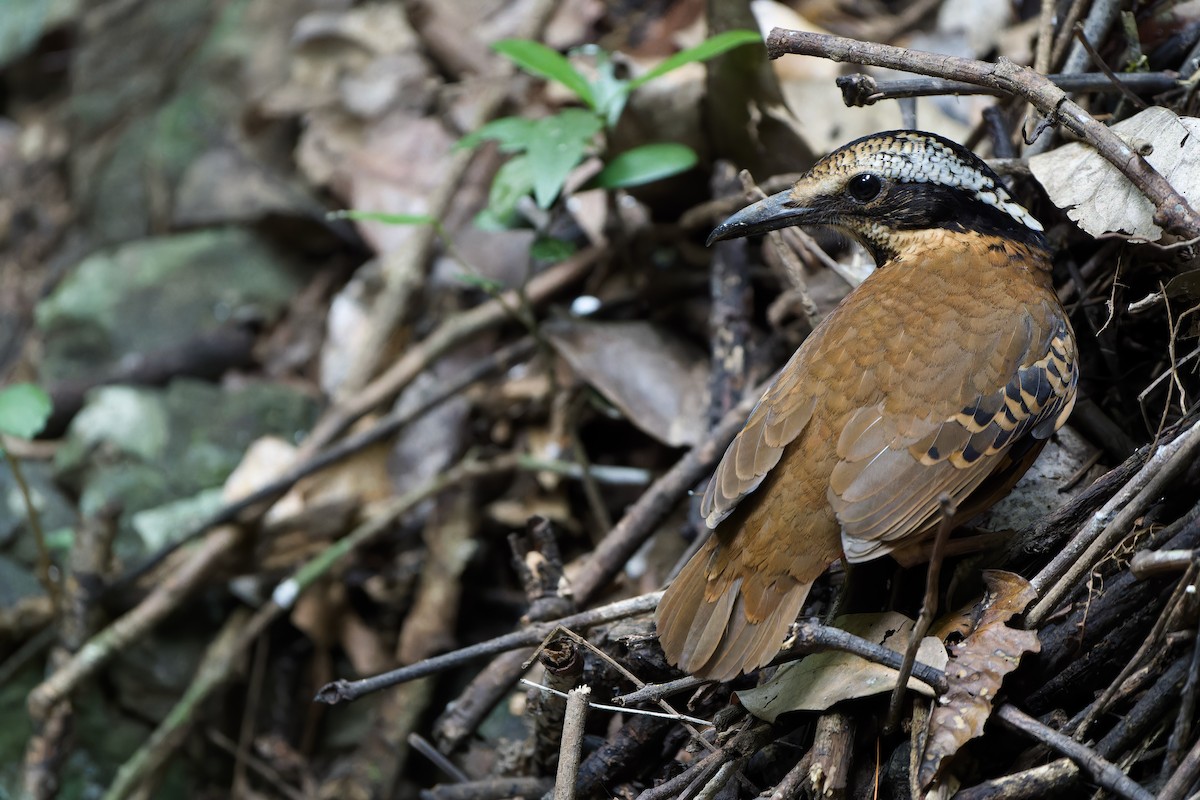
pixel 977 667
pixel 822 679
pixel 318 613
pixel 226 185
pixel 320 505
pixel 363 86
pixel 396 166
pixel 657 380
pixel 332 47
pixel 363 644
pixel 1102 200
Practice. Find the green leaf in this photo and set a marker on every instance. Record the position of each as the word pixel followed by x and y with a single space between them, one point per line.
pixel 386 219
pixel 513 181
pixel 24 409
pixel 707 49
pixel 537 59
pixel 557 148
pixel 551 249
pixel 650 162
pixel 611 93
pixel 513 134
pixel 60 540
pixel 488 220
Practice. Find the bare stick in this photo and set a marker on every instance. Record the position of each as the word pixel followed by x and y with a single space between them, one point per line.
pixel 796 778
pixel 1101 771
pixel 164 598
pixel 657 691
pixel 342 691
pixel 489 789
pixel 572 743
pixel 1177 787
pixel 1149 563
pixel 1049 780
pixel 1066 570
pixel 928 607
pixel 1112 77
pixel 832 755
pixel 1172 210
pixel 385 426
pixel 699 770
pixel 812 637
pixel 865 90
pixel 1182 730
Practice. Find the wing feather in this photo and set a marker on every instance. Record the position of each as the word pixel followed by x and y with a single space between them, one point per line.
pixel 780 416
pixel 884 491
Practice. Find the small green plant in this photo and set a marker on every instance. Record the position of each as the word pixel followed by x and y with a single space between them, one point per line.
pixel 544 151
pixel 24 411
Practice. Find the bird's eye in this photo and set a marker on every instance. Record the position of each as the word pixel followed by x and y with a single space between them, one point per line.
pixel 865 187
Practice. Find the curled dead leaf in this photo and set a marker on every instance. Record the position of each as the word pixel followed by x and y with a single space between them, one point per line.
pixel 976 670
pixel 657 380
pixel 1098 198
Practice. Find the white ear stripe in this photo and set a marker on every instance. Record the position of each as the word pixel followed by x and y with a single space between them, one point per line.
pixel 913 158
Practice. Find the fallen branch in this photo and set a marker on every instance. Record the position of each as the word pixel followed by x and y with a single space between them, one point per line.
pixel 1101 771
pixel 859 90
pixel 344 691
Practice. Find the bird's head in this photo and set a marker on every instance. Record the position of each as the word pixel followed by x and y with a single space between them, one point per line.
pixel 883 185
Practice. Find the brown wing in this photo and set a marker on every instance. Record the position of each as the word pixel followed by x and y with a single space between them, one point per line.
pixel 894 467
pixel 726 611
pixel 780 416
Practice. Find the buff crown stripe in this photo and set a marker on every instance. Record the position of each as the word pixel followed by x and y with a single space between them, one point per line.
pixel 919 159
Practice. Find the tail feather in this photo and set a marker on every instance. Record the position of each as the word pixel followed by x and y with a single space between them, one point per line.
pixel 709 633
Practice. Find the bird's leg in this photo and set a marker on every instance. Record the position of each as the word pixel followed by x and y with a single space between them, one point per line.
pixel 840 596
pixel 928 608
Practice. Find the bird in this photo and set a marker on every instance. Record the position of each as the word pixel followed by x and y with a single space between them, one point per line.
pixel 942 375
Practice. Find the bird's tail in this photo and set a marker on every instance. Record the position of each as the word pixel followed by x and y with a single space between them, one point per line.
pixel 716 620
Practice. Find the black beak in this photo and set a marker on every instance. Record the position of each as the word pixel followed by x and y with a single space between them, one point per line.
pixel 769 214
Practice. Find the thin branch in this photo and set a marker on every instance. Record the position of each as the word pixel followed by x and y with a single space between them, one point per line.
pixel 1101 771
pixel 1111 76
pixel 1112 523
pixel 860 89
pixel 657 691
pixel 948 508
pixel 45 564
pixel 343 690
pixel 811 637
pixel 571 746
pixel 1172 210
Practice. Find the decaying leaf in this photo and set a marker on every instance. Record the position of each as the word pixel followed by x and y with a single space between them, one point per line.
pixel 822 679
pixel 658 380
pixel 1098 198
pixel 977 667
